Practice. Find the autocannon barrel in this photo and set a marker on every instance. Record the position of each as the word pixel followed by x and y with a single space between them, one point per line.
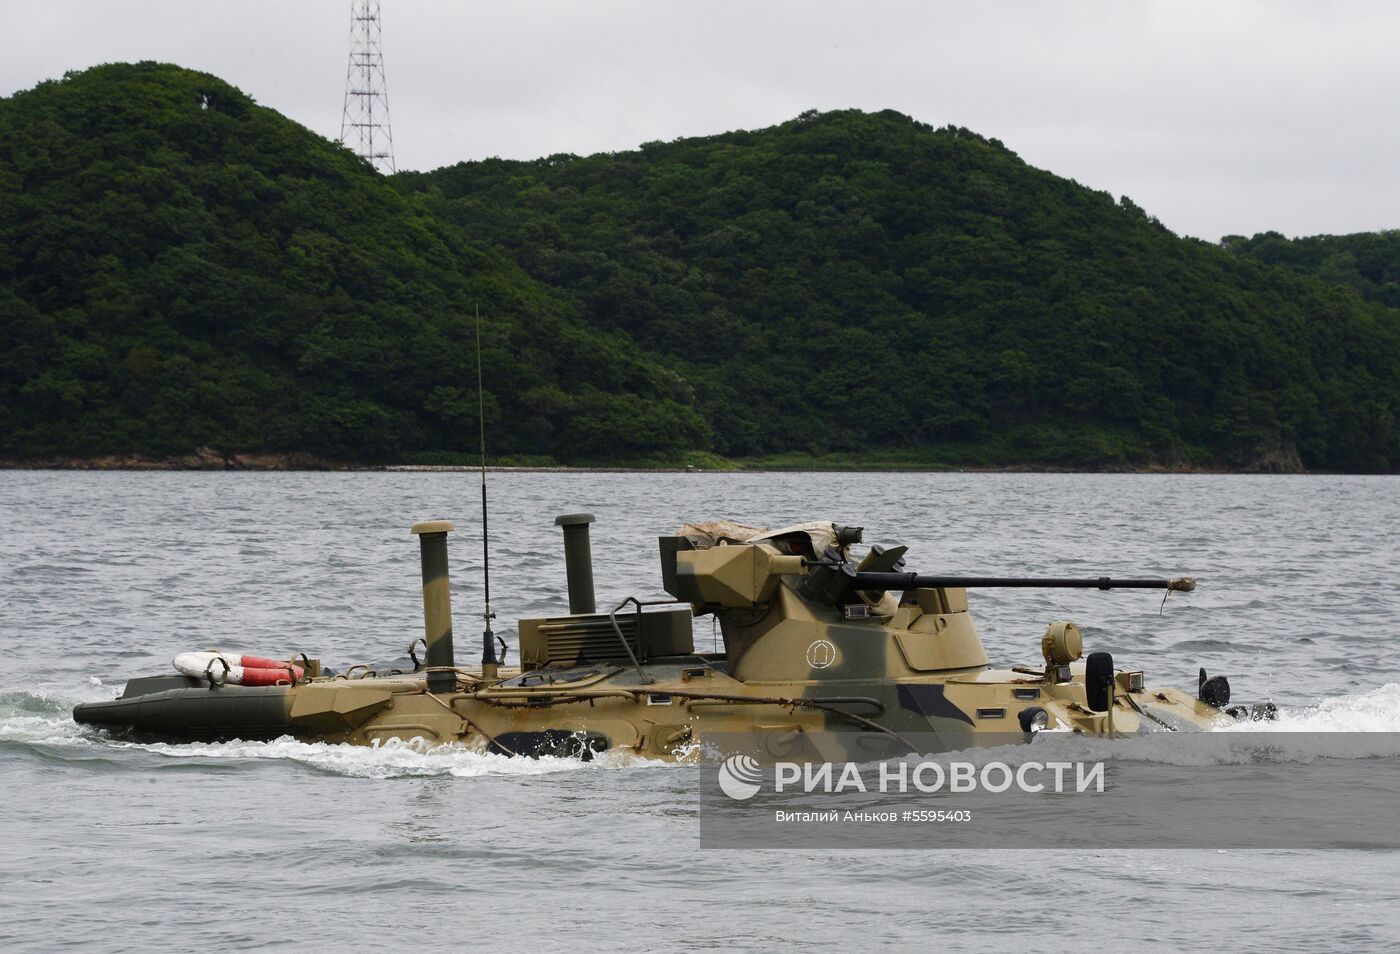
pixel 907 581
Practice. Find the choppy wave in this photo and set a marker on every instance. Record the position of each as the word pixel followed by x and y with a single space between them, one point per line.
pixel 1375 710
pixel 36 720
pixel 34 717
pixel 1370 720
pixel 393 758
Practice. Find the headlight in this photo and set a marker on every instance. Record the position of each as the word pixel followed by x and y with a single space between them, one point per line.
pixel 1033 719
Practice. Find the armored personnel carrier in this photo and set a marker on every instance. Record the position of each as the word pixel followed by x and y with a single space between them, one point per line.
pixel 826 654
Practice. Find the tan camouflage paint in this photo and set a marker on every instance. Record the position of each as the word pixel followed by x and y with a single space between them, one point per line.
pixel 802 680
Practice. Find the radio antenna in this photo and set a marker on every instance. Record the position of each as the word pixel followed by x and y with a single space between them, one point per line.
pixel 489 663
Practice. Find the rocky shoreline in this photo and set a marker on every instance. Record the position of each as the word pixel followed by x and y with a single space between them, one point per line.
pixel 203 458
pixel 209 459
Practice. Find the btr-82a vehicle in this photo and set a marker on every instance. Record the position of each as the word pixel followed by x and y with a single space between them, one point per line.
pixel 826 655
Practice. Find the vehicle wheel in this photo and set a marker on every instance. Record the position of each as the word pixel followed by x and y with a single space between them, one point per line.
pixel 1098 673
pixel 1215 691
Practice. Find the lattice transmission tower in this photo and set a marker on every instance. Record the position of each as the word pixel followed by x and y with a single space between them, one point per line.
pixel 364 125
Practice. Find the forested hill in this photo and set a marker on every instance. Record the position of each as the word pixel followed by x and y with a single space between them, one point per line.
pixel 849 281
pixel 180 267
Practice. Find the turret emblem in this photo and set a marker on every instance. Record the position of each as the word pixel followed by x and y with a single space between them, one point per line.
pixel 821 654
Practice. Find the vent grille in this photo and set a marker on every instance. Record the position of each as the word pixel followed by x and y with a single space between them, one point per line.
pixel 587 638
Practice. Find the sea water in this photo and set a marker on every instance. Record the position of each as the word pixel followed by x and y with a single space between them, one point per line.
pixel 115 846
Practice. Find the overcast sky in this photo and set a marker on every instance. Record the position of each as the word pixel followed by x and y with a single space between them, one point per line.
pixel 1229 116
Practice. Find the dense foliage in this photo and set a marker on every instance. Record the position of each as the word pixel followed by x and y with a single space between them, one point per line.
pixel 1368 263
pixel 181 267
pixel 850 282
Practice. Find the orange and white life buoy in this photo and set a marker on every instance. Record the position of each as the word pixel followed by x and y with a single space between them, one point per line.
pixel 236 670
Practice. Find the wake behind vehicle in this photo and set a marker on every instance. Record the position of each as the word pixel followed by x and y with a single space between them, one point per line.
pixel 826 655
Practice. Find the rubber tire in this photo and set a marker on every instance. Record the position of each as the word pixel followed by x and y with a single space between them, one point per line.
pixel 1215 691
pixel 1098 672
